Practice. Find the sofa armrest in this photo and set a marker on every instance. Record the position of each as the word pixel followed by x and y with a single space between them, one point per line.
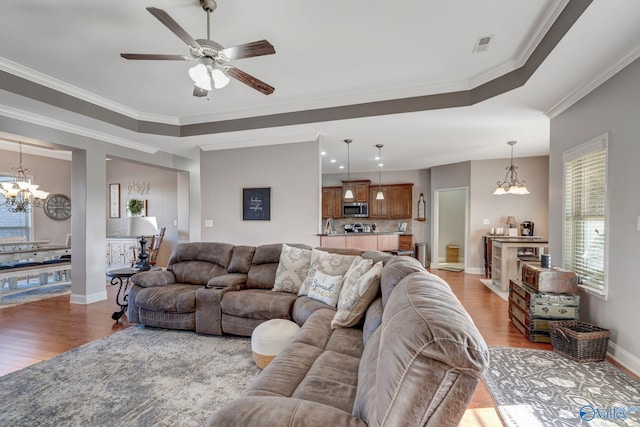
pixel 272 411
pixel 149 279
pixel 236 281
pixel 208 312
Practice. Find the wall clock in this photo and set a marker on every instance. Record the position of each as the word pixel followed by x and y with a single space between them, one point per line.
pixel 58 207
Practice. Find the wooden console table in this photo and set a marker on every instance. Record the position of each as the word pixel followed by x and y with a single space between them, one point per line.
pixel 504 258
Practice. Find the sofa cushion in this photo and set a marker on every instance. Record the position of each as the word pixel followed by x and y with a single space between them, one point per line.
pixel 262 273
pixel 292 269
pixel 241 259
pixel 372 319
pixel 172 299
pixel 394 271
pixel 212 252
pixel 196 272
pixel 325 288
pixel 258 304
pixel 433 357
pixel 359 289
pixel 327 263
pixel 305 307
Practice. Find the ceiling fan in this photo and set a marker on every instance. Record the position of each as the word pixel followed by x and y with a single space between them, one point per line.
pixel 213 69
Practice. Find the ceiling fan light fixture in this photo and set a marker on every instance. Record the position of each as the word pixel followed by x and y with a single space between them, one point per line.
pixel 200 76
pixel 220 79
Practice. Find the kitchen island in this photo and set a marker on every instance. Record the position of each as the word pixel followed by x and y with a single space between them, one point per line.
pixel 374 241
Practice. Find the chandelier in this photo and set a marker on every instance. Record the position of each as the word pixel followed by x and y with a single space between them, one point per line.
pixel 20 195
pixel 511 184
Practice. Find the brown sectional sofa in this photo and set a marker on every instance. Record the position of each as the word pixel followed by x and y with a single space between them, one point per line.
pixel 414 360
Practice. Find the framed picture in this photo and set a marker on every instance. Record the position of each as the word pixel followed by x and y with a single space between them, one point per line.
pixel 114 200
pixel 256 204
pixel 141 208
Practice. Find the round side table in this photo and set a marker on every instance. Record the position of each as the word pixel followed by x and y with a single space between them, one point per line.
pixel 121 278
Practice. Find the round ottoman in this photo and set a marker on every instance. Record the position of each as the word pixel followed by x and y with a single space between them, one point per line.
pixel 269 338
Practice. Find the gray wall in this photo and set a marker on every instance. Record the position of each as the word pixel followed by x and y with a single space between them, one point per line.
pixel 162 201
pixel 293 173
pixel 614 107
pixel 53 176
pixel 451 224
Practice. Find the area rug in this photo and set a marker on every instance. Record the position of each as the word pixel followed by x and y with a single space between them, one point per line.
pixel 489 284
pixel 136 377
pixel 543 388
pixel 33 294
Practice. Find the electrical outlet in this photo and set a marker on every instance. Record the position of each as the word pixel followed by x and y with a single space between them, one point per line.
pixel 485 221
pixel 208 223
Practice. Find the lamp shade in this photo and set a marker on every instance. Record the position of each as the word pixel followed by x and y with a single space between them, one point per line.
pixel 143 226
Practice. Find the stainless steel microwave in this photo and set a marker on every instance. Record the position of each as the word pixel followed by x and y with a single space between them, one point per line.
pixel 355 210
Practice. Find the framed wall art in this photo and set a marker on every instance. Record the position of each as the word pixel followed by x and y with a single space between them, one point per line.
pixel 256 204
pixel 114 200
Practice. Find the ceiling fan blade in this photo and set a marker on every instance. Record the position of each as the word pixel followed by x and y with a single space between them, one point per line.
pixel 249 80
pixel 172 25
pixel 199 92
pixel 159 57
pixel 248 50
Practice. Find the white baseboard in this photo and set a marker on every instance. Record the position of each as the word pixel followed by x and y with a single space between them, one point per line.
pixel 474 270
pixel 624 358
pixel 88 299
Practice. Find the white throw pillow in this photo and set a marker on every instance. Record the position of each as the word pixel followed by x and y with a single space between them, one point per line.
pixel 325 288
pixel 357 293
pixel 327 263
pixel 292 269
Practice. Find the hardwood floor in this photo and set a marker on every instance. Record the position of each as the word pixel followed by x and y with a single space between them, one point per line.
pixel 37 331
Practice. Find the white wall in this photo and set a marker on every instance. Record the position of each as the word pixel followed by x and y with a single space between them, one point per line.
pixel 293 173
pixel 613 107
pixel 451 223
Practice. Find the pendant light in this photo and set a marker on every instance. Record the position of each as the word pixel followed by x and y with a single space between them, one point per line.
pixel 380 195
pixel 511 184
pixel 349 193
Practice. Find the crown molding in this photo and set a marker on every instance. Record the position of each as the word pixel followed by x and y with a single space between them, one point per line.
pixel 587 87
pixel 48 122
pixel 258 142
pixel 63 87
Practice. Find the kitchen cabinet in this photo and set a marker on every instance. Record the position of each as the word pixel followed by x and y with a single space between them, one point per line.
pixel 331 202
pixel 397 203
pixel 378 208
pixel 406 242
pixel 360 190
pixel 363 241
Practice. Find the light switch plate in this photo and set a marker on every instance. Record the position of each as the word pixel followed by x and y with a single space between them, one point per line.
pixel 208 223
pixel 485 221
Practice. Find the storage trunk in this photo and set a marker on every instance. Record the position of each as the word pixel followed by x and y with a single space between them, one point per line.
pixel 530 310
pixel 553 279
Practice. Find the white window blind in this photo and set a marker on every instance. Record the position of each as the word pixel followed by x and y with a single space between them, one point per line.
pixel 585 212
pixel 13 224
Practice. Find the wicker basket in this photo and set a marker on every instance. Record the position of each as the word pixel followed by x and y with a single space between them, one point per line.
pixel 579 341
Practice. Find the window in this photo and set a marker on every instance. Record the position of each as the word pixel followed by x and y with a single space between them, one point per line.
pixel 585 213
pixel 13 224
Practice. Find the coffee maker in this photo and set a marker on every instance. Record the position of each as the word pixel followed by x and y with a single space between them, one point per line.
pixel 526 228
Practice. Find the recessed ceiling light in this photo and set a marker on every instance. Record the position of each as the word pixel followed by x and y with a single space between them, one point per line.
pixel 341 167
pixel 323 153
pixel 376 158
pixel 332 160
pixel 380 164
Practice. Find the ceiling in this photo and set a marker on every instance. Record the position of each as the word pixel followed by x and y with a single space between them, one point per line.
pixel 376 72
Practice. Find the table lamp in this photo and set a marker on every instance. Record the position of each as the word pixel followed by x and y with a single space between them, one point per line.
pixel 143 226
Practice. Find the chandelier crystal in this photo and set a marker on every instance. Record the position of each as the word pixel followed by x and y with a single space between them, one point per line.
pixel 20 195
pixel 511 184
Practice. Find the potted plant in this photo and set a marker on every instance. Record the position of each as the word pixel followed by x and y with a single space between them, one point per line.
pixel 135 206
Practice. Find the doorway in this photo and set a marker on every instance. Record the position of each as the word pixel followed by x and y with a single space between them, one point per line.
pixel 450 229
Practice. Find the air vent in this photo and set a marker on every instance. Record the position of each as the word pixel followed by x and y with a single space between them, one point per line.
pixel 482 44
